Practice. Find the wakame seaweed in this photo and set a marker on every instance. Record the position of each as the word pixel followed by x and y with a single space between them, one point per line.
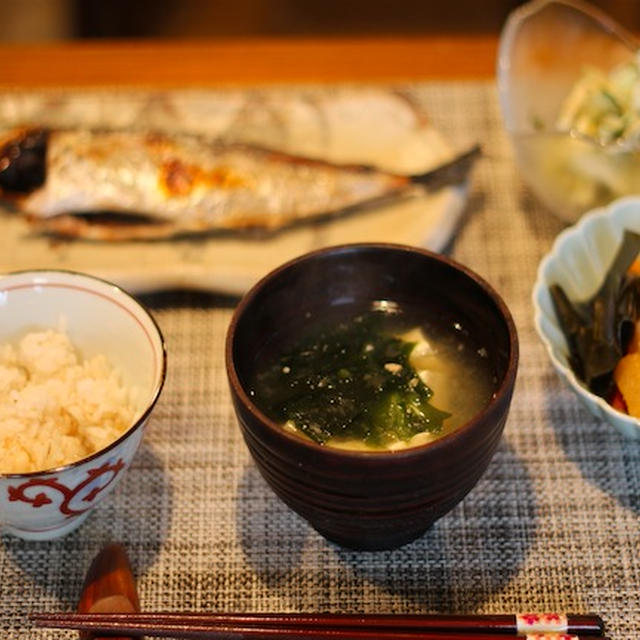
pixel 598 330
pixel 350 380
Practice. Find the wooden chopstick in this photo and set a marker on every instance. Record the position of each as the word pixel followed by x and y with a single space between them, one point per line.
pixel 297 626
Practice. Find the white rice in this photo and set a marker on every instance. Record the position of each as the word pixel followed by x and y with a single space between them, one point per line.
pixel 54 407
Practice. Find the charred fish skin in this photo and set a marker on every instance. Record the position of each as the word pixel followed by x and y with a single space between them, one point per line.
pixel 23 160
pixel 194 182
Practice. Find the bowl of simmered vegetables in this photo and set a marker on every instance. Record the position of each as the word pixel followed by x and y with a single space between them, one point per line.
pixel 569 81
pixel 587 311
pixel 371 383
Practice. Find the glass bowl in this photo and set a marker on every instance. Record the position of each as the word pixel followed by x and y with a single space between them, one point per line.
pixel 545 47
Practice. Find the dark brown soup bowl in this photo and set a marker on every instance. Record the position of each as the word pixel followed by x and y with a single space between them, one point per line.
pixel 369 499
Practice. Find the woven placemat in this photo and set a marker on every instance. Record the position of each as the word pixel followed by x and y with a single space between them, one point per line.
pixel 553 525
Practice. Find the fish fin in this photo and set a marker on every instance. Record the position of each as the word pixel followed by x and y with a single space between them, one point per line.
pixel 76 226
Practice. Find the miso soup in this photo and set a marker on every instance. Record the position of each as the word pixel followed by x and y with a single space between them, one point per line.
pixel 381 377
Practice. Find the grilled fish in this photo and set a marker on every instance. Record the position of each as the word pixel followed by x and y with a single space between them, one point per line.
pixel 114 185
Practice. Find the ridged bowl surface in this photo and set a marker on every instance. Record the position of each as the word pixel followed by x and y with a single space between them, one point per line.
pixel 369 500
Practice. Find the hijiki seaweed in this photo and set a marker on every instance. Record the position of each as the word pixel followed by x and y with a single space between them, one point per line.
pixel 599 329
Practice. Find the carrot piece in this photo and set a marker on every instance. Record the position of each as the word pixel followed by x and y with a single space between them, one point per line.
pixel 627 377
pixel 634 269
pixel 617 401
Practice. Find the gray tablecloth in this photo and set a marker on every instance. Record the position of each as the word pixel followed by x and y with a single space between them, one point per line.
pixel 552 526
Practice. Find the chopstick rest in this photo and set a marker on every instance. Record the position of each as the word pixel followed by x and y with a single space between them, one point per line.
pixel 109 587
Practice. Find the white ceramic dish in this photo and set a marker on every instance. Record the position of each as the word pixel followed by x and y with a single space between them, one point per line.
pixel 578 261
pixel 544 48
pixel 343 125
pixel 99 318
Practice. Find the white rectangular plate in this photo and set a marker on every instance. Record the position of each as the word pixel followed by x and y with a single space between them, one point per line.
pixel 358 125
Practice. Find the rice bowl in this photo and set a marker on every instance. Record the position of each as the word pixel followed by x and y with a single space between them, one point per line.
pixel 100 320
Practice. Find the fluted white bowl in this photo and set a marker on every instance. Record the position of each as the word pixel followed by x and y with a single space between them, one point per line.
pixel 578 262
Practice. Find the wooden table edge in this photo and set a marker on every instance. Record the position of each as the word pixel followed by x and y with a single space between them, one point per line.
pixel 242 61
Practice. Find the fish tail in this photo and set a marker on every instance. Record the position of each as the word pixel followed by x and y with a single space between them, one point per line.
pixel 453 172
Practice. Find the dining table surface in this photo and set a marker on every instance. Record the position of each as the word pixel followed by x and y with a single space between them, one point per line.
pixel 554 523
